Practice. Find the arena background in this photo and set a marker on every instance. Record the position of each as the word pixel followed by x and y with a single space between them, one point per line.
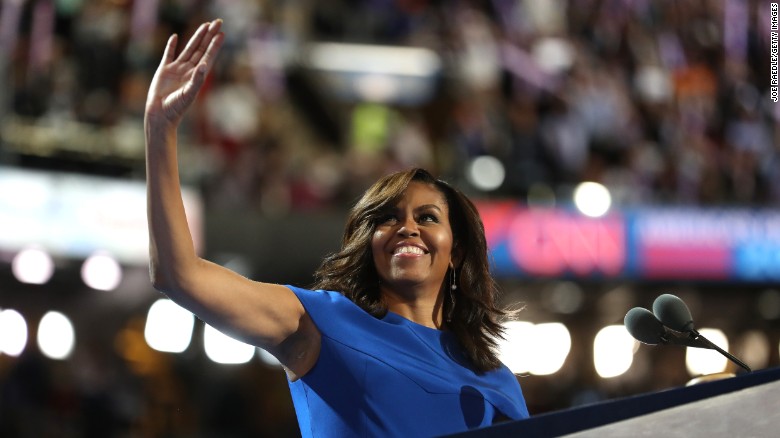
pixel 617 149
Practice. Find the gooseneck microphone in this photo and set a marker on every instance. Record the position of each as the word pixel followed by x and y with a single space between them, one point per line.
pixel 670 323
pixel 644 326
pixel 673 313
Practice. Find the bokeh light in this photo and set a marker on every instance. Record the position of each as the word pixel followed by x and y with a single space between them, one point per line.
pixel 515 349
pixel 551 346
pixel 13 332
pixel 56 336
pixel 32 266
pixel 613 351
pixel 486 173
pixel 168 326
pixel 101 271
pixel 223 349
pixel 539 349
pixel 700 361
pixel 592 199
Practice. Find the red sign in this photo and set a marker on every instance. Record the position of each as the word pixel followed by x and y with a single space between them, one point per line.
pixel 553 242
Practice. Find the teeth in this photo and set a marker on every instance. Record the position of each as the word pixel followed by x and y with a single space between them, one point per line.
pixel 409 250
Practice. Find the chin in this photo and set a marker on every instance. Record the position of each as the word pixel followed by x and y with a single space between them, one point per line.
pixel 407 282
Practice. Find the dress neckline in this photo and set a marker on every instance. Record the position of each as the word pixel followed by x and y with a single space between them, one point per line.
pixel 394 318
pixel 442 342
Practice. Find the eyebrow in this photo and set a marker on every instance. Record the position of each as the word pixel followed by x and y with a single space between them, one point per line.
pixel 427 206
pixel 420 208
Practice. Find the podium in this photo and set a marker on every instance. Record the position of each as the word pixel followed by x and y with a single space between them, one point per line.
pixel 745 406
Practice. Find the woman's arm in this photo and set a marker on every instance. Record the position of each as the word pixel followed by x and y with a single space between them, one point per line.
pixel 267 315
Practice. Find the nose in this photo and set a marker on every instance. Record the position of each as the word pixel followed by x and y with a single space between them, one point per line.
pixel 408 228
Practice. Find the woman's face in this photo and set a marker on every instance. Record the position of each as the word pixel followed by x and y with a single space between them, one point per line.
pixel 412 243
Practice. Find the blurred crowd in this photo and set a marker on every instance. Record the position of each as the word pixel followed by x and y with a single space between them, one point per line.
pixel 132 391
pixel 664 102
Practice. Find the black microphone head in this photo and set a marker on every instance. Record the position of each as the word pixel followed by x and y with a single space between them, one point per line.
pixel 673 313
pixel 644 326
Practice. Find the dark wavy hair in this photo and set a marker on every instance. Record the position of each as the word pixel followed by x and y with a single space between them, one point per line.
pixel 475 319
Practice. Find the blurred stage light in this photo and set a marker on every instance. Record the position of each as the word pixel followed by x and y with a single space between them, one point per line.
pixel 515 349
pixel 101 271
pixel 223 349
pixel 539 349
pixel 32 266
pixel 375 59
pixel 13 332
pixel 168 326
pixel 700 361
pixel 486 173
pixel 552 343
pixel 613 351
pixel 592 199
pixel 56 337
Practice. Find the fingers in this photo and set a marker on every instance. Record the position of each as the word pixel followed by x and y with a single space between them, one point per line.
pixel 212 50
pixel 170 50
pixel 214 26
pixel 196 81
pixel 201 41
pixel 194 42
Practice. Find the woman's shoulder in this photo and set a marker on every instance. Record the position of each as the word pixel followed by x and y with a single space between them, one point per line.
pixel 320 297
pixel 330 309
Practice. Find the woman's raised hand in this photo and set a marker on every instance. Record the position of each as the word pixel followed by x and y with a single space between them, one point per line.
pixel 179 78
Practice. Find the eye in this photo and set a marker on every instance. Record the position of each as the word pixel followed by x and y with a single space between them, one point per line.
pixel 428 217
pixel 387 218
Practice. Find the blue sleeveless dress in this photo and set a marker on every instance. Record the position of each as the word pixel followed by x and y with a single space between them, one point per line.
pixel 391 377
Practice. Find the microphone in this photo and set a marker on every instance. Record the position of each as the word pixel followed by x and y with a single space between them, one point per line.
pixel 646 328
pixel 673 313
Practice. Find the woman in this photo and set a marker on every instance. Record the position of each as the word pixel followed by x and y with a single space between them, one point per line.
pixel 404 345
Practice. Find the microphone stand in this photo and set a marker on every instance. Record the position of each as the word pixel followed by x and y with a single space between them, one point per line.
pixel 696 336
pixel 692 338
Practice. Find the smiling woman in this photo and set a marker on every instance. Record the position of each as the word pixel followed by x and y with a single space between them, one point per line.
pixel 413 208
pixel 413 324
pixel 412 251
pixel 399 337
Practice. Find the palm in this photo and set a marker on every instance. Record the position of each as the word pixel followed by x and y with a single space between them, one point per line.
pixel 179 78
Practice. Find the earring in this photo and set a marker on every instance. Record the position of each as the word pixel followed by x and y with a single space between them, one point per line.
pixel 453 288
pixel 453 284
